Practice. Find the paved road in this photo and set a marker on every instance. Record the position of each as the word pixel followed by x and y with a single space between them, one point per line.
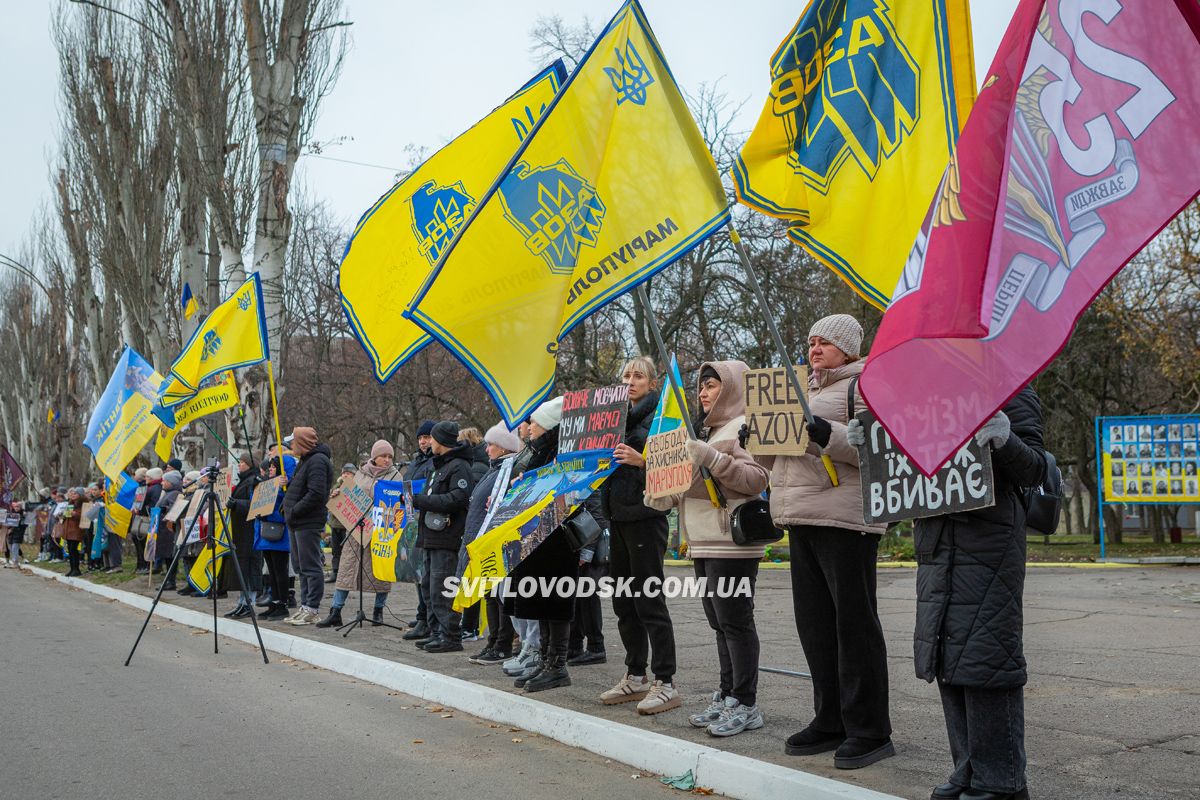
pixel 184 723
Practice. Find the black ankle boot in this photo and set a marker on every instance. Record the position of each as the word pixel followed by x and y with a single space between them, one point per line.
pixel 377 616
pixel 334 620
pixel 553 675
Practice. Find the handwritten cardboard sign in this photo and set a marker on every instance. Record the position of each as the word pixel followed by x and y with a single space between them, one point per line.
pixel 668 468
pixel 774 415
pixel 350 504
pixel 176 511
pixel 262 502
pixel 593 419
pixel 894 489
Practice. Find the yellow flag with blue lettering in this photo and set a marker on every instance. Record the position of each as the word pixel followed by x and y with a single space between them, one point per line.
pixel 127 415
pixel 614 184
pixel 208 562
pixel 400 238
pixel 867 100
pixel 233 335
pixel 215 394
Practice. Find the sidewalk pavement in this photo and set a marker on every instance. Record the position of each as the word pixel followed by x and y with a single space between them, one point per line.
pixel 1112 707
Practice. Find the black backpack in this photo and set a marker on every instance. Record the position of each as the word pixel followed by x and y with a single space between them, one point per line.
pixel 1044 502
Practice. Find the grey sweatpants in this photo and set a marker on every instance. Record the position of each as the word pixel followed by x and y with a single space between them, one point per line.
pixel 310 563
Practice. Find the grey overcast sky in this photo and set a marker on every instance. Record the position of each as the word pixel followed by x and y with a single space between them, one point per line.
pixel 418 73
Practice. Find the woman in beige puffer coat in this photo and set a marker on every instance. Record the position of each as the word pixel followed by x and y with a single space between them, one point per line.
pixel 833 555
pixel 729 569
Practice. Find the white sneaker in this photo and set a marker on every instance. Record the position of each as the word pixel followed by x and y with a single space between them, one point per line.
pixel 661 697
pixel 519 663
pixel 736 718
pixel 305 617
pixel 628 689
pixel 711 714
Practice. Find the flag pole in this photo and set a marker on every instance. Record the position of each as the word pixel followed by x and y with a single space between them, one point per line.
pixel 714 491
pixel 275 411
pixel 736 238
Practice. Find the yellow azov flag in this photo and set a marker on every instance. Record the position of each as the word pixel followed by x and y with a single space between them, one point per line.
pixel 867 100
pixel 233 335
pixel 485 562
pixel 208 564
pixel 400 238
pixel 613 184
pixel 216 394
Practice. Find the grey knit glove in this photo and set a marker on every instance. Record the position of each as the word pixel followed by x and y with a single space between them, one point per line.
pixel 856 435
pixel 996 430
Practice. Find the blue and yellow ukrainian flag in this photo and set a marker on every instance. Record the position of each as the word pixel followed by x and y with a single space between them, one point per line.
pixel 866 103
pixel 127 416
pixel 118 504
pixel 400 238
pixel 51 416
pixel 669 414
pixel 215 394
pixel 613 184
pixel 187 302
pixel 233 335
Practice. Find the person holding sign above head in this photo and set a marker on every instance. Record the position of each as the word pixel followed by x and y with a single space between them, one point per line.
pixel 380 467
pixel 638 541
pixel 833 554
pixel 441 521
pixel 716 557
pixel 968 637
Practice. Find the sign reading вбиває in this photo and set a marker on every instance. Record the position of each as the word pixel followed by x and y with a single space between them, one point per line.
pixel 894 489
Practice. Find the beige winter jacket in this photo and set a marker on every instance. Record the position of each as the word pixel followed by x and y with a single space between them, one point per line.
pixel 801 492
pixel 741 478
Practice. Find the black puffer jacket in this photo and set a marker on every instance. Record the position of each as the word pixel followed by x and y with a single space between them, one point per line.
pixel 621 494
pixel 448 492
pixel 308 491
pixel 971 570
pixel 420 467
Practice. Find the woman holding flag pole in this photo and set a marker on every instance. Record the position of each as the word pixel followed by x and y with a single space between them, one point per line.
pixel 833 554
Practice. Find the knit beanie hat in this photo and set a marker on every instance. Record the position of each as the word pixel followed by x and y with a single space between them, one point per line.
pixel 348 467
pixel 425 428
pixel 503 438
pixel 192 476
pixel 140 473
pixel 172 477
pixel 842 330
pixel 548 414
pixel 155 474
pixel 303 440
pixel 382 448
pixel 445 433
pixel 175 464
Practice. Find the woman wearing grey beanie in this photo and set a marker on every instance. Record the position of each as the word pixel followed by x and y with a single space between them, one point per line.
pixel 833 554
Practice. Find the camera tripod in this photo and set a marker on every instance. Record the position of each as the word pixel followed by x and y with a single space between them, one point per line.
pixel 209 500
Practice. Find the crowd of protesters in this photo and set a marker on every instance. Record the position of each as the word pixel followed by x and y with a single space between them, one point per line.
pixel 969 580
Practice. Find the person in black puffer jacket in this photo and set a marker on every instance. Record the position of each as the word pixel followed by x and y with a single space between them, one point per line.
pixel 638 541
pixel 970 577
pixel 305 513
pixel 242 532
pixel 441 521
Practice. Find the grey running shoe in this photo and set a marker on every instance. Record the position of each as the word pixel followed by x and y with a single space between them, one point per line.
pixel 736 718
pixel 711 714
pixel 515 666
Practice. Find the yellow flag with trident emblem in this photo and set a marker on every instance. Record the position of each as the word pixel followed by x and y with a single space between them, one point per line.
pixel 233 335
pixel 614 184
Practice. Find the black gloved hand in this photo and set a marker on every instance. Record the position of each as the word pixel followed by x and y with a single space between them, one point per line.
pixel 819 431
pixel 229 503
pixel 743 435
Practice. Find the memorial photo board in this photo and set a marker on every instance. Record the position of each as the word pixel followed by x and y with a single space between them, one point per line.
pixel 1150 459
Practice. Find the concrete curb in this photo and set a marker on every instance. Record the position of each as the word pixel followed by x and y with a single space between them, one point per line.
pixel 726 773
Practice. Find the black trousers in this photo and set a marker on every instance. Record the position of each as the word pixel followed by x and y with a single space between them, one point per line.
pixel 277 572
pixel 732 619
pixel 588 623
pixel 555 635
pixel 500 627
pixel 73 555
pixel 470 618
pixel 337 540
pixel 986 728
pixel 643 623
pixel 833 595
pixel 139 550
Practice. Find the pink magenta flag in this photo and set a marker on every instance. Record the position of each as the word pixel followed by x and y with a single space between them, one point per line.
pixel 1083 145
